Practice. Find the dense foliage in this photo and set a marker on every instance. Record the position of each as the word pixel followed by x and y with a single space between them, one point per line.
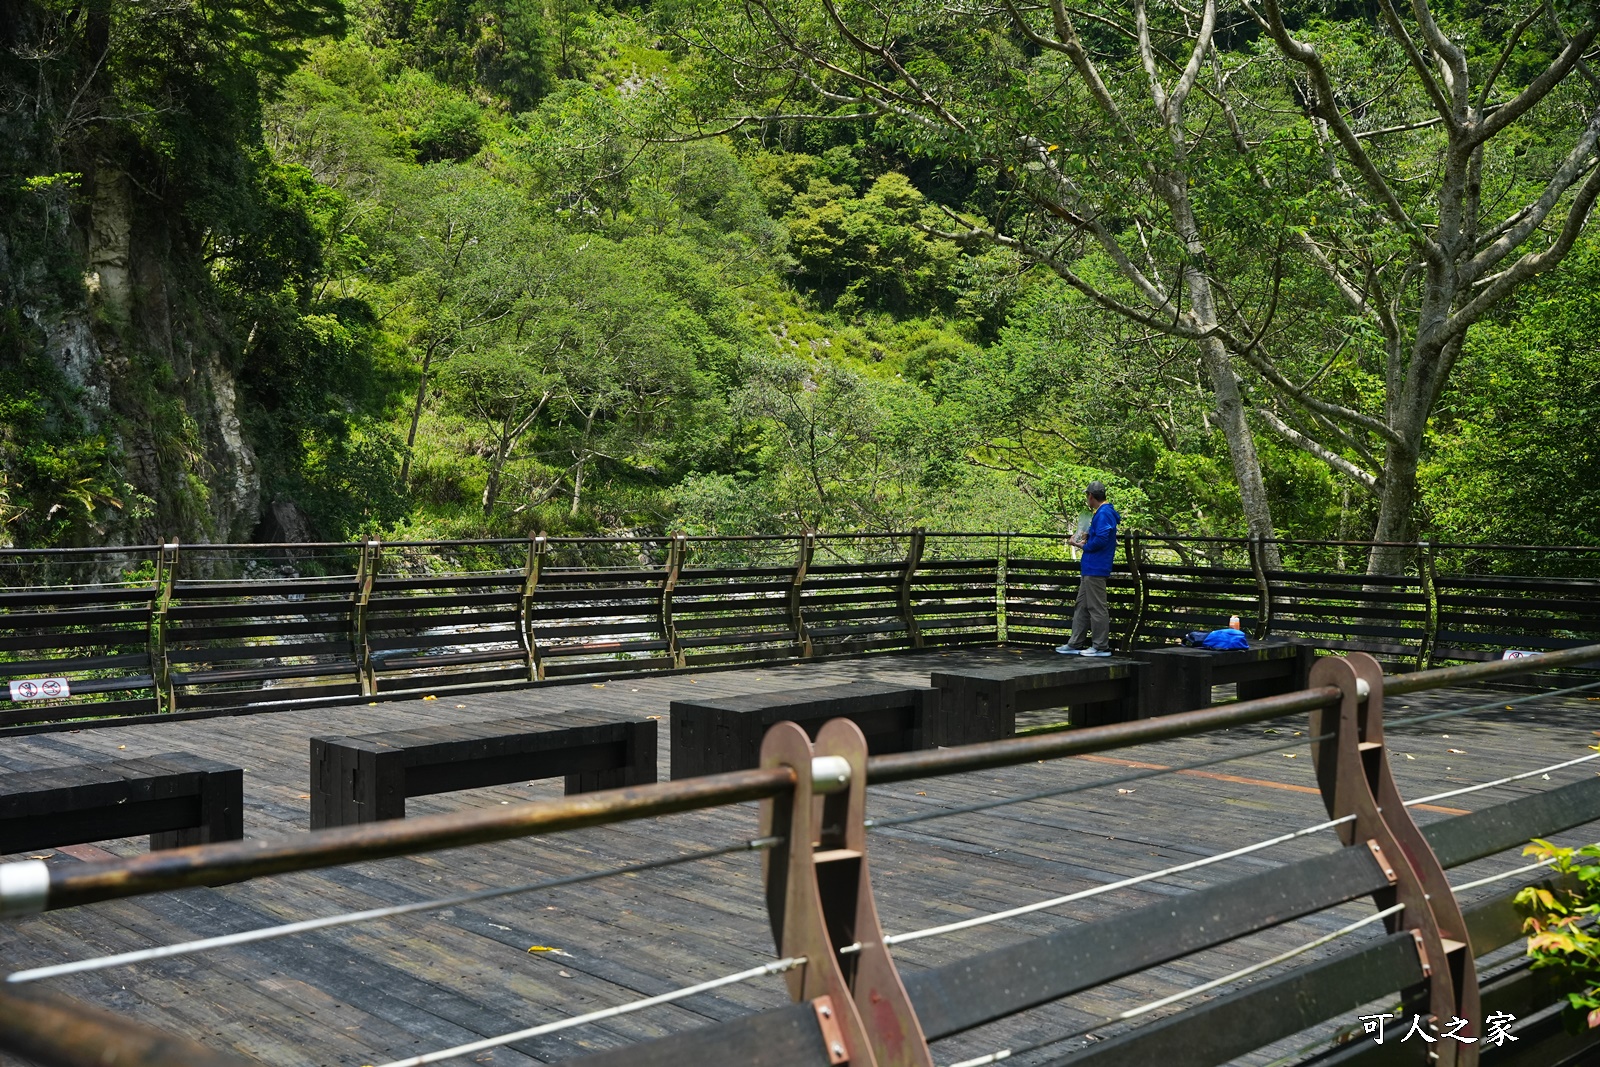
pixel 1558 918
pixel 487 267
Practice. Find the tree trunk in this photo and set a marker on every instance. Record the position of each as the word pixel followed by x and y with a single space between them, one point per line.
pixel 577 485
pixel 582 454
pixel 416 417
pixel 491 488
pixel 1408 414
pixel 1231 417
pixel 1241 451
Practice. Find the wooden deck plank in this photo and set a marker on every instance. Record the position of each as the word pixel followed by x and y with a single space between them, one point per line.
pixel 397 987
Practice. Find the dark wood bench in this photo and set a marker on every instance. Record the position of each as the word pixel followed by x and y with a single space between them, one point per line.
pixel 1180 679
pixel 177 798
pixel 724 733
pixel 368 778
pixel 982 703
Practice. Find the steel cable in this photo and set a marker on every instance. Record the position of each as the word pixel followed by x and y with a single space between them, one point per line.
pixel 775 967
pixel 1094 891
pixel 1046 794
pixel 1203 987
pixel 268 933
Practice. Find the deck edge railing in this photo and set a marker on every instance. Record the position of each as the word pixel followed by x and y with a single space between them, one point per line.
pixel 815 914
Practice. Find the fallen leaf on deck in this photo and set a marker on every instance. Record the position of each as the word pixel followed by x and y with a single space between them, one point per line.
pixel 922 794
pixel 564 974
pixel 1544 777
pixel 1124 790
pixel 1291 755
pixel 460 705
pixel 649 716
pixel 599 685
pixel 430 696
pixel 305 796
pixel 543 948
pixel 1410 756
pixel 1457 751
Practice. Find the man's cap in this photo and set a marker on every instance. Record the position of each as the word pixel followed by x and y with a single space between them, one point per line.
pixel 1096 490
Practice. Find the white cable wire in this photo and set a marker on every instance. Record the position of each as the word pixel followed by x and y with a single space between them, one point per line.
pixel 1502 877
pixel 1501 781
pixel 268 933
pixel 775 967
pixel 1243 972
pixel 982 920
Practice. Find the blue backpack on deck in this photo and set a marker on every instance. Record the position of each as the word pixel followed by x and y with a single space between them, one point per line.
pixel 1218 640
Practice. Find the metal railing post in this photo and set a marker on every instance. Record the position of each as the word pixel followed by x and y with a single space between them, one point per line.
pixel 1002 579
pixel 160 662
pixel 1427 576
pixel 802 639
pixel 907 610
pixel 1258 565
pixel 538 546
pixel 1353 774
pixel 366 571
pixel 819 899
pixel 1133 552
pixel 677 548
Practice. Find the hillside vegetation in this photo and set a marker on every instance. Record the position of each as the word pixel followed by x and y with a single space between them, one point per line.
pixel 460 268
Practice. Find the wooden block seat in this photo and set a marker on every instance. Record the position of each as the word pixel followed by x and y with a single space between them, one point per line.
pixel 177 798
pixel 368 778
pixel 1180 679
pixel 724 733
pixel 982 703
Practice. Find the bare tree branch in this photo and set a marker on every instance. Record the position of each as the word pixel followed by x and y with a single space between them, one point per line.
pixel 1452 60
pixel 1264 365
pixel 1325 102
pixel 1306 444
pixel 1532 216
pixel 1530 263
pixel 1537 89
pixel 1430 84
pixel 1505 54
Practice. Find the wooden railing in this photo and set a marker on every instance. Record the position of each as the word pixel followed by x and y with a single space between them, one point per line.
pixel 164 630
pixel 850 1004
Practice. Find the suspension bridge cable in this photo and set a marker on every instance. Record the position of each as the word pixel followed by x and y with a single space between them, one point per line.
pixel 993 917
pixel 268 933
pixel 1494 705
pixel 1192 991
pixel 982 920
pixel 775 967
pixel 1045 794
pixel 1502 781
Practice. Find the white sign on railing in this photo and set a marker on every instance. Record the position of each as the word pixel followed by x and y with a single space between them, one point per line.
pixel 1517 653
pixel 40 689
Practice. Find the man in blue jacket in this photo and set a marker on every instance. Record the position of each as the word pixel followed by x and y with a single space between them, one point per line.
pixel 1090 616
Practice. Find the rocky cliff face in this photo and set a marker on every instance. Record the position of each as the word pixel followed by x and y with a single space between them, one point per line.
pixel 150 371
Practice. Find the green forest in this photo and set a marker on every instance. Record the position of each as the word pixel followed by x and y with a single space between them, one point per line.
pixel 303 270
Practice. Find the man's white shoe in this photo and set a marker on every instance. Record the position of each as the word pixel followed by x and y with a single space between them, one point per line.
pixel 1068 650
pixel 1094 652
